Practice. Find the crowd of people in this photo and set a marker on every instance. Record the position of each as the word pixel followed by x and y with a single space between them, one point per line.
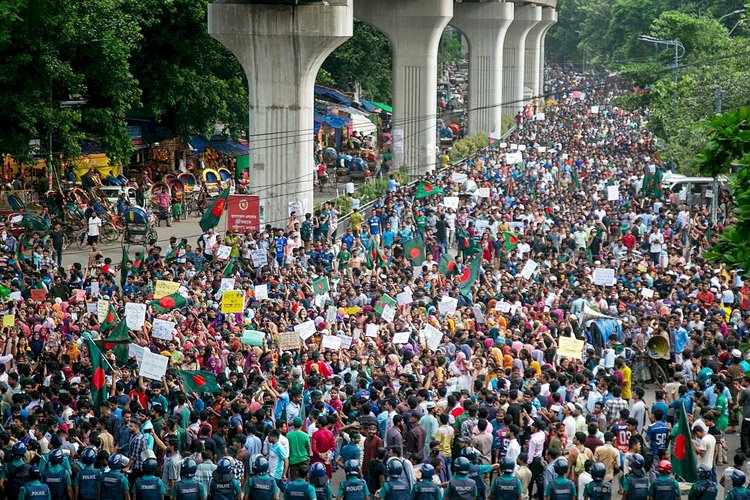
pixel 428 381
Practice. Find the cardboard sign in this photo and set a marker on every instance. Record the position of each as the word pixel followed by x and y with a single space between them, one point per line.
pixel 261 292
pixel 332 342
pixel 613 193
pixel 223 252
pixel 288 341
pixel 389 314
pixel 401 337
pixel 346 341
pixel 135 315
pixel 164 288
pixel 233 301
pixel 528 269
pixel 604 276
pixel 162 329
pixel 305 330
pixel 102 308
pixel 153 366
pixel 9 320
pixel 569 347
pixel 433 336
pixel 451 202
pixel 38 295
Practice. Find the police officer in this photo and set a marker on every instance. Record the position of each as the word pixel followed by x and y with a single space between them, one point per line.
pixel 319 480
pixel 393 488
pixel 223 484
pixel 260 485
pixel 477 470
pixel 425 489
pixel 598 489
pixel 460 486
pixel 664 487
pixel 16 472
pixel 704 488
pixel 88 480
pixel 115 485
pixel 148 486
pixel 34 488
pixel 56 476
pixel 352 488
pixel 506 487
pixel 188 488
pixel 635 483
pixel 561 488
pixel 739 492
pixel 300 489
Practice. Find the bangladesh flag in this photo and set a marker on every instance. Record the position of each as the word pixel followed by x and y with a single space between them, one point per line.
pixel 169 302
pixel 683 457
pixel 468 244
pixel 98 375
pixel 117 342
pixel 124 266
pixel 213 213
pixel 414 249
pixel 447 265
pixel 110 320
pixel 229 268
pixel 511 240
pixel 172 255
pixel 385 300
pixel 426 188
pixel 199 381
pixel 375 257
pixel 469 275
pixel 138 265
pixel 321 286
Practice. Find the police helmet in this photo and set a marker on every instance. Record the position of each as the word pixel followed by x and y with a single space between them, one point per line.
pixel 427 472
pixel 507 465
pixel 56 457
pixel 637 462
pixel 115 461
pixel 150 465
pixel 19 449
pixel 351 468
pixel 34 472
pixel 395 468
pixel 738 478
pixel 88 455
pixel 598 471
pixel 260 465
pixel 561 466
pixel 462 465
pixel 224 466
pixel 704 472
pixel 318 475
pixel 471 454
pixel 188 468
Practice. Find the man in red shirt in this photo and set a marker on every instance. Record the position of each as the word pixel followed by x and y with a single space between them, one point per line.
pixel 629 240
pixel 705 295
pixel 371 446
pixel 323 444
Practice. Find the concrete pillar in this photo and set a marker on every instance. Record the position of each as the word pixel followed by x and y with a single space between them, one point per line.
pixel 534 60
pixel 281 49
pixel 414 28
pixel 525 17
pixel 484 25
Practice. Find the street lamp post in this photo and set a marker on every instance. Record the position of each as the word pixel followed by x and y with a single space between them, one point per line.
pixel 679 53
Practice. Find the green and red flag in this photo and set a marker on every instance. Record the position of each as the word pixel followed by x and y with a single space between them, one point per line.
pixel 212 215
pixel 469 275
pixel 684 464
pixel 385 300
pixel 468 244
pixel 138 264
pixel 321 285
pixel 229 268
pixel 110 320
pixel 375 257
pixel 117 342
pixel 511 240
pixel 426 188
pixel 124 266
pixel 414 250
pixel 175 252
pixel 447 265
pixel 169 302
pixel 199 381
pixel 98 375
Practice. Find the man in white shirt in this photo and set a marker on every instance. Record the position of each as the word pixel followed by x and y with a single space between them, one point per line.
pixel 704 445
pixel 95 226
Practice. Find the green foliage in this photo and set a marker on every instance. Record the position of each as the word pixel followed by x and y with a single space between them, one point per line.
pixel 324 78
pixel 364 59
pixel 450 50
pixel 468 145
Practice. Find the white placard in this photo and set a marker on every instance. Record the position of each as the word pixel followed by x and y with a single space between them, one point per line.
pixel 528 269
pixel 153 366
pixel 503 144
pixel 540 117
pixel 594 110
pixel 135 315
pixel 331 315
pixel 522 147
pixel 451 202
pixel 346 341
pixel 513 147
pixel 513 158
pixel 433 336
pixel 647 293
pixel 136 351
pixel 565 156
pixel 331 342
pixel 401 337
pixel 483 192
pixel 478 314
pixel 371 330
pixel 541 149
pixel 389 314
pixel 604 276
pixel 91 308
pixel 226 285
pixel 15 296
pixel 447 305
pixel 459 177
pixel 404 298
pixel 502 306
pixel 305 330
pixel 94 288
pixel 223 252
pixel 162 329
pixel 259 258
pixel 102 308
pixel 613 193
pixel 261 292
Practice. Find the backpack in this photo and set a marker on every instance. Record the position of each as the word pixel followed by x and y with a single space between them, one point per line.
pixel 306 231
pixel 580 464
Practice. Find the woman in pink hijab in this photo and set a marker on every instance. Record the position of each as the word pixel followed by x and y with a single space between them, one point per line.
pixel 392 367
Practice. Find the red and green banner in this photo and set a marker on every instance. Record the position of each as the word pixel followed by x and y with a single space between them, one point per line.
pixel 414 250
pixel 683 457
pixel 199 381
pixel 447 265
pixel 212 215
pixel 117 342
pixel 468 244
pixel 321 286
pixel 469 275
pixel 426 188
pixel 511 240
pixel 175 252
pixel 169 302
pixel 98 374
pixel 110 320
pixel 385 300
pixel 375 257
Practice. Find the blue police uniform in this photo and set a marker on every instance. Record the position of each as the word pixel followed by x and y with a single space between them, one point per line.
pixel 149 488
pixel 114 485
pixel 88 482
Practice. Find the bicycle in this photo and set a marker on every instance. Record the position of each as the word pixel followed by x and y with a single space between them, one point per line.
pixel 647 370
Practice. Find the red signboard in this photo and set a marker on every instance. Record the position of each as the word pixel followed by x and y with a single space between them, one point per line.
pixel 243 213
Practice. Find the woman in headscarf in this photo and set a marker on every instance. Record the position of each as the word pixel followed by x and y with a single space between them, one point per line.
pixel 459 369
pixel 392 367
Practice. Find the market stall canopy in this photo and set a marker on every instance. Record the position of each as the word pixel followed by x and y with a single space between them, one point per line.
pixel 367 106
pixel 362 124
pixel 226 146
pixel 382 106
pixel 331 120
pixel 335 95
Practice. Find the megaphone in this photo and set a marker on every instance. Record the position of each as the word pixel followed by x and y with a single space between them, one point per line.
pixel 589 314
pixel 658 347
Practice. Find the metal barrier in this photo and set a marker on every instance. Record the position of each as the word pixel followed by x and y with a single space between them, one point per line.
pixel 343 224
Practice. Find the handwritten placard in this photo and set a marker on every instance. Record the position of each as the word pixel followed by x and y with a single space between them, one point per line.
pixel 569 347
pixel 404 298
pixel 305 330
pixel 647 293
pixel 136 351
pixel 102 308
pixel 528 269
pixel 38 295
pixel 232 301
pixel 604 276
pixel 226 284
pixel 447 305
pixel 371 330
pixel 259 258
pixel 288 341
pixel 433 336
pixel 162 329
pixel 223 252
pixel 451 202
pixel 135 315
pixel 164 288
pixel 401 337
pixel 613 193
pixel 261 292
pixel 346 341
pixel 502 306
pixel 9 320
pixel 153 366
pixel 332 342
pixel 389 314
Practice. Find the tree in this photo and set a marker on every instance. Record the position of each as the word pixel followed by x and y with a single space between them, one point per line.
pixel 451 49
